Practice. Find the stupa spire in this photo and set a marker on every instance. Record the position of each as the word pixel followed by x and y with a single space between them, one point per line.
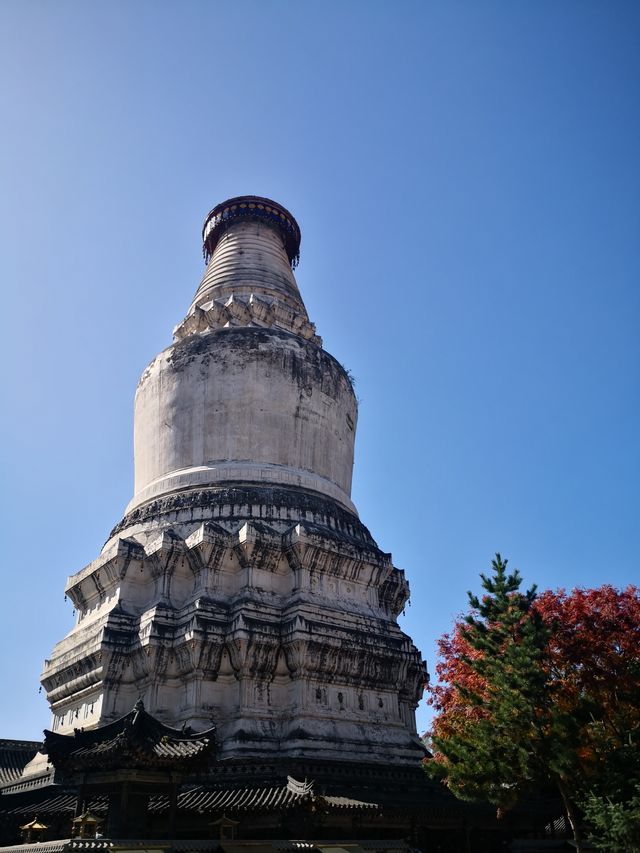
pixel 251 246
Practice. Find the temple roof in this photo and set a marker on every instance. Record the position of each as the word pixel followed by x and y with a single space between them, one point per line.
pixel 270 798
pixel 34 824
pixel 136 740
pixel 206 799
pixel 14 757
pixel 56 803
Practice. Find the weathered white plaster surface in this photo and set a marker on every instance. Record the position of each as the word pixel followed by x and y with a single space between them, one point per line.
pixel 244 404
pixel 241 588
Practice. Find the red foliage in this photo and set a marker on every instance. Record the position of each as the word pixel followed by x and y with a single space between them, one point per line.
pixel 454 709
pixel 593 657
pixel 596 633
pixel 594 654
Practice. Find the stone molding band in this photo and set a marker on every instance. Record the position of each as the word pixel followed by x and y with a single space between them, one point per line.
pixel 233 502
pixel 240 472
pixel 256 208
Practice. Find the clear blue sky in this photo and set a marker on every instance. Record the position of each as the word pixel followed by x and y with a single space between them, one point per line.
pixel 466 176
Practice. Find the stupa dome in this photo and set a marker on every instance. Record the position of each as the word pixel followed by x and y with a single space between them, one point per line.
pixel 246 394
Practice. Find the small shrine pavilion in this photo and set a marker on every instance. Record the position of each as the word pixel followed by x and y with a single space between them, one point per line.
pixel 129 762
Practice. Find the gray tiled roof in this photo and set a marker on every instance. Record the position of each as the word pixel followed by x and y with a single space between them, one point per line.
pixel 266 798
pixel 133 740
pixel 14 757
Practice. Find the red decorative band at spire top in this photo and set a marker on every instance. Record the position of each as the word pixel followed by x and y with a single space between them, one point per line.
pixel 253 208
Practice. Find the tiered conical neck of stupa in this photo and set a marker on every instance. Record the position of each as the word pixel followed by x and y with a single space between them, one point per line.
pixel 251 245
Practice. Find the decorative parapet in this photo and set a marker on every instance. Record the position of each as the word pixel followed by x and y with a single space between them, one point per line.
pixel 256 208
pixel 261 311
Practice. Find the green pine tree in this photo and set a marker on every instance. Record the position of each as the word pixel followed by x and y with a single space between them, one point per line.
pixel 495 755
pixel 544 691
pixel 616 823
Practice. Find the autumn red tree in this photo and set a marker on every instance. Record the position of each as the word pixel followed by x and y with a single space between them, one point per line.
pixel 540 689
pixel 593 666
